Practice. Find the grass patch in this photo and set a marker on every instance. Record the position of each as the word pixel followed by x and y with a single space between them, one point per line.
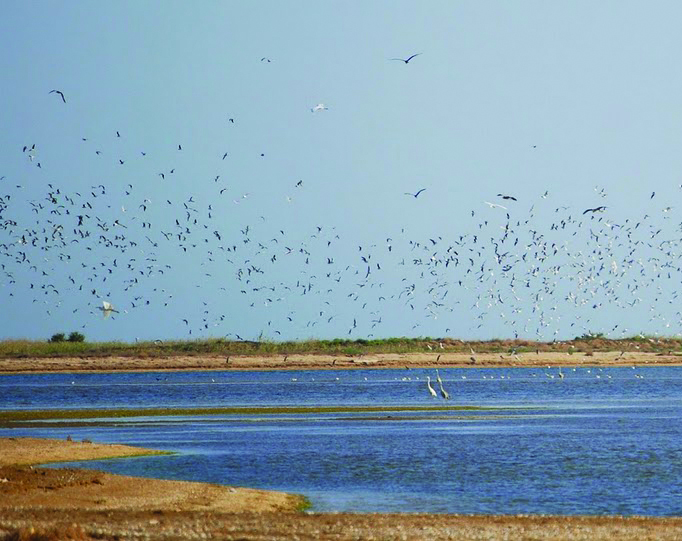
pixel 17 349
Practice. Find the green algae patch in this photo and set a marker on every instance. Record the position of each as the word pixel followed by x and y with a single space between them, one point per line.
pixel 103 457
pixel 19 416
pixel 304 504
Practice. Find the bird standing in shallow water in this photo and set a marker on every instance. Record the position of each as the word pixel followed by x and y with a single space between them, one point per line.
pixel 443 392
pixel 432 392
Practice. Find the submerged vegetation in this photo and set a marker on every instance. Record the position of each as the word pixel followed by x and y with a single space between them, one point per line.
pixel 94 416
pixel 75 346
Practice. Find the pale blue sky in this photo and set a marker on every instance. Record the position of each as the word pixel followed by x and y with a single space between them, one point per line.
pixel 519 98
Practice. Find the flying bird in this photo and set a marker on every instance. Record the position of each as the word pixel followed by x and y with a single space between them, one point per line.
pixel 58 92
pixel 406 60
pixel 107 308
pixel 596 209
pixel 494 205
pixel 503 196
pixel 319 107
pixel 415 195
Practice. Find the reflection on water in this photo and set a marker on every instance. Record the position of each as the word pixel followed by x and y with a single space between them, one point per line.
pixel 593 442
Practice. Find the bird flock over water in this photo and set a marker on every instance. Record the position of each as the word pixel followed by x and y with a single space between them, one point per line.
pixel 129 240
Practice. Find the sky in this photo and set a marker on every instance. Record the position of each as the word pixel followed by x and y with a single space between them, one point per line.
pixel 188 181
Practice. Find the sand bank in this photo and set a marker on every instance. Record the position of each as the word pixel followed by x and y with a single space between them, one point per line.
pixel 23 485
pixel 333 362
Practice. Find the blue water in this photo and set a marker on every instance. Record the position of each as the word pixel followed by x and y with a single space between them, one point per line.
pixel 595 442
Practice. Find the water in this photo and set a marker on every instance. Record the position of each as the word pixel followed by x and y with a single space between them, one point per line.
pixel 595 442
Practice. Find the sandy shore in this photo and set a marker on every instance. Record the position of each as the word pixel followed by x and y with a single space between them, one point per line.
pixel 329 362
pixel 22 485
pixel 51 504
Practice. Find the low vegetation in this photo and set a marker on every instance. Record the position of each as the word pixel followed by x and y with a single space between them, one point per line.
pixel 12 418
pixel 73 337
pixel 76 346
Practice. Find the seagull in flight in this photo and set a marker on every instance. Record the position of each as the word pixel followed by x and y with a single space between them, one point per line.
pixel 503 196
pixel 596 209
pixel 406 60
pixel 494 205
pixel 319 107
pixel 415 195
pixel 58 92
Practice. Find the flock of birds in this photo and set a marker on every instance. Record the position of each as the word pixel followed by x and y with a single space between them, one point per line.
pixel 580 375
pixel 586 374
pixel 126 244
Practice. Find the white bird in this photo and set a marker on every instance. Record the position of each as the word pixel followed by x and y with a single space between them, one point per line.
pixel 319 107
pixel 443 392
pixel 494 205
pixel 428 384
pixel 107 308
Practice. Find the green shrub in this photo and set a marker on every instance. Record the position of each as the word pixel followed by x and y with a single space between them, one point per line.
pixel 58 337
pixel 76 337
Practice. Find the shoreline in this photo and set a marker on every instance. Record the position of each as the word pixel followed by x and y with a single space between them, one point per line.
pixel 332 362
pixel 65 503
pixel 25 484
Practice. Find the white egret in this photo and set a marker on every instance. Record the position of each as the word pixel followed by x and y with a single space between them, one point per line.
pixel 431 390
pixel 443 392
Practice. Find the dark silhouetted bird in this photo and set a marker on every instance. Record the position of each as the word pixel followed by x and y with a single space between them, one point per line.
pixel 60 93
pixel 406 60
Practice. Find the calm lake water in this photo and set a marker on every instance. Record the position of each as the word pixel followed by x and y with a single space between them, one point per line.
pixel 597 441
